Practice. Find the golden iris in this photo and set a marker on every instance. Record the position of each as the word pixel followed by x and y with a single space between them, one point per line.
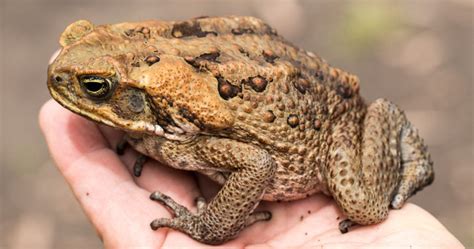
pixel 96 86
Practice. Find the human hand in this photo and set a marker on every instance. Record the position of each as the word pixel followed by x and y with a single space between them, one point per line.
pixel 119 207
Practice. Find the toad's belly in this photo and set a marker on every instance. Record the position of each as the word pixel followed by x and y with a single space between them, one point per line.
pixel 289 183
pixel 283 186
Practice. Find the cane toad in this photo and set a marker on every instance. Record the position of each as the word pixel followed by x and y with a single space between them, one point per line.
pixel 231 99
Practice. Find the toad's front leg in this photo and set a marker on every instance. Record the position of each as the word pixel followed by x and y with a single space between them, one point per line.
pixel 231 209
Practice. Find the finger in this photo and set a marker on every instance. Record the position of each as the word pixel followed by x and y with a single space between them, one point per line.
pixel 178 184
pixel 104 188
pixel 111 135
pixel 410 226
pixel 415 224
pixel 72 138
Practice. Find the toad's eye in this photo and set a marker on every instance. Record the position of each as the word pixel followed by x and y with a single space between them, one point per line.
pixel 96 86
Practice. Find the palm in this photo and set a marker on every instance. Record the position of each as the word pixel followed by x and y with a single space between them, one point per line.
pixel 118 205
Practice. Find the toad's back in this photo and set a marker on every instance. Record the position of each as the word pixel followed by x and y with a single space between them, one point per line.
pixel 283 98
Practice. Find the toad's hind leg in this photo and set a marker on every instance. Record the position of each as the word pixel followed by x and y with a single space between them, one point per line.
pixel 390 164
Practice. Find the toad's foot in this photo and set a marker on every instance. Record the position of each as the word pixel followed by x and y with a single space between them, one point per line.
pixel 138 166
pixel 193 224
pixel 345 225
pixel 121 146
pixel 139 162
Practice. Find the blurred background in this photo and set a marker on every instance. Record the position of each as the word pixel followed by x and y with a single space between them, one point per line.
pixel 418 54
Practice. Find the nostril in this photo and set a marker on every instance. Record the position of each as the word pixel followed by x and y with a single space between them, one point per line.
pixel 58 79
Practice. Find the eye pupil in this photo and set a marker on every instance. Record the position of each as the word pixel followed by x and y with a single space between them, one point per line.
pixel 94 86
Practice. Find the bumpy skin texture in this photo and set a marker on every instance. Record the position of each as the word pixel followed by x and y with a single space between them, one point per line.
pixel 231 99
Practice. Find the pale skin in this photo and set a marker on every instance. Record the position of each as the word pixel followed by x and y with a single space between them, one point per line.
pixel 118 204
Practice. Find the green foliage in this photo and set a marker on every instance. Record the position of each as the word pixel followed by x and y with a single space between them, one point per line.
pixel 365 24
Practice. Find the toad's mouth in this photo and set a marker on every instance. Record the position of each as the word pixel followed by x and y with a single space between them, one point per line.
pixel 105 117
